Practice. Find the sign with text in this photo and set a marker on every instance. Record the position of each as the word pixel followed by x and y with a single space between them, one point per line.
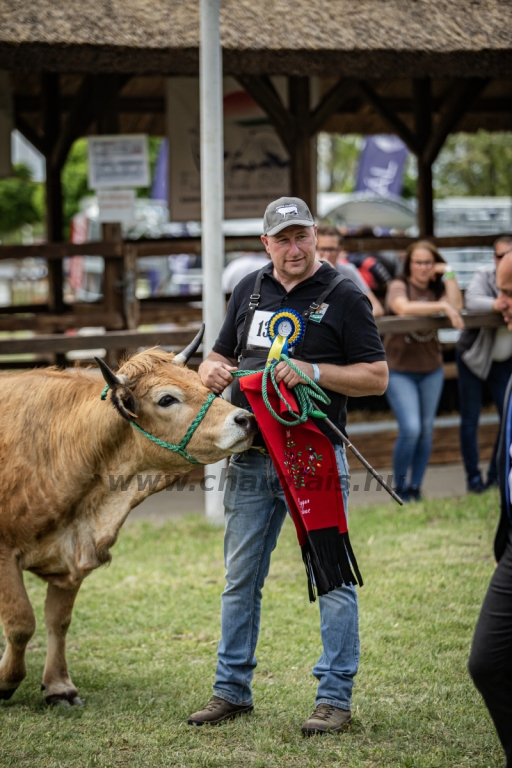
pixel 118 161
pixel 256 165
pixel 116 205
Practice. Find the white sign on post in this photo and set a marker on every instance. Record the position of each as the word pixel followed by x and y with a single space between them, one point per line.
pixel 118 161
pixel 116 205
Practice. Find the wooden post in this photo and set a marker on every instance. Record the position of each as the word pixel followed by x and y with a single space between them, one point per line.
pixel 113 298
pixel 300 156
pixel 107 122
pixel 106 95
pixel 50 91
pixel 131 305
pixel 422 104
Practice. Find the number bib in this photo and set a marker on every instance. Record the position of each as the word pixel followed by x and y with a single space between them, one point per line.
pixel 258 332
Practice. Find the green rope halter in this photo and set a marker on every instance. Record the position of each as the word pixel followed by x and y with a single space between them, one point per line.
pixel 303 393
pixel 188 435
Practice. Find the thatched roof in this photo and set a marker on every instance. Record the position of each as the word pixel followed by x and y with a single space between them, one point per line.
pixel 367 38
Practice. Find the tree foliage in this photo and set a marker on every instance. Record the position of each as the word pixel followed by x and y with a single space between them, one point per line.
pixel 475 164
pixel 18 200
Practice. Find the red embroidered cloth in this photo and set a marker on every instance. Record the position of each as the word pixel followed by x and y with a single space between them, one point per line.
pixel 305 462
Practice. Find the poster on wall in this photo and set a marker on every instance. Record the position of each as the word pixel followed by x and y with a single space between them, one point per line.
pixel 256 165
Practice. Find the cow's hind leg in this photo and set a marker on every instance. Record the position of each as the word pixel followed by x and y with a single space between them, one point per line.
pixel 57 616
pixel 18 623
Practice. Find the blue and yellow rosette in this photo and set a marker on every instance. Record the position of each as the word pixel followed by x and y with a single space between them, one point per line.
pixel 286 328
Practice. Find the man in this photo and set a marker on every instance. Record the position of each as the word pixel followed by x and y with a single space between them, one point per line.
pixel 483 356
pixel 490 663
pixel 328 249
pixel 341 349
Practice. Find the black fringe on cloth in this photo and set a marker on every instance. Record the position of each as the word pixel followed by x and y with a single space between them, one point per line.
pixel 330 562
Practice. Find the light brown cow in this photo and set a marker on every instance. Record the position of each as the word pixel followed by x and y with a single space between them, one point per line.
pixel 59 446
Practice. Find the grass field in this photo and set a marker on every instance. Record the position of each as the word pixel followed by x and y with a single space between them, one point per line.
pixel 143 640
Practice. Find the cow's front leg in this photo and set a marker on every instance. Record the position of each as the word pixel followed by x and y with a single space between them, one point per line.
pixel 57 616
pixel 18 623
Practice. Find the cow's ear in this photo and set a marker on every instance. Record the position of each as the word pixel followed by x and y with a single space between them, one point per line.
pixel 123 399
pixel 125 402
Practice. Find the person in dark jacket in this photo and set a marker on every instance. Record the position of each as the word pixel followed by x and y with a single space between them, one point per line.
pixel 490 662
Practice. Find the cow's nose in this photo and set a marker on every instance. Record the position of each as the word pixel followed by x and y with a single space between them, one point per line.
pixel 246 421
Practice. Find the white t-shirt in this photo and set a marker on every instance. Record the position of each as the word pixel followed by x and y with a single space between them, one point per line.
pixel 240 268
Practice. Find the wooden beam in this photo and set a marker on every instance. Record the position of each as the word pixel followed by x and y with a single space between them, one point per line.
pixel 111 340
pixel 50 91
pixel 300 157
pixel 52 251
pixel 422 93
pixel 106 91
pixel 331 103
pixel 422 110
pixel 403 324
pixel 375 244
pixel 397 125
pixel 452 115
pixel 81 115
pixel 263 92
pixel 155 105
pixel 50 323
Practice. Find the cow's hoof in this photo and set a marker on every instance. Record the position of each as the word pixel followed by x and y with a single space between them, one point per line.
pixel 63 701
pixel 5 695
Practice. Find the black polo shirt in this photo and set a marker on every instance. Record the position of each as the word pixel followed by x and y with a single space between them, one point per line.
pixel 343 333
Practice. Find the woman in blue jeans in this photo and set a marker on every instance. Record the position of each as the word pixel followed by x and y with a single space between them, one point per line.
pixel 427 287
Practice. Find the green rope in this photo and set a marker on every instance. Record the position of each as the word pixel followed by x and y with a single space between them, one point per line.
pixel 303 394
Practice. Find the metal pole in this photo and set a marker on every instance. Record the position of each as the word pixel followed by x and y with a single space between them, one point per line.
pixel 212 202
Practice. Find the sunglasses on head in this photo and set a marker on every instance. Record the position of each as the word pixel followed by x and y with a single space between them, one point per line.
pixel 501 255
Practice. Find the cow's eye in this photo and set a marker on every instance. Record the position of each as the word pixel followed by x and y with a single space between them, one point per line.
pixel 166 401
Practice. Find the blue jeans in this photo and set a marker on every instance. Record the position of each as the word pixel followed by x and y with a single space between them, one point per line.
pixel 255 512
pixel 470 400
pixel 413 398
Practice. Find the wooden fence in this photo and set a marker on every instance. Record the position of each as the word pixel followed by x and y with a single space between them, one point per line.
pixel 122 314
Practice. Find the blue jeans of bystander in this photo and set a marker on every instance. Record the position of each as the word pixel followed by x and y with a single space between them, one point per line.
pixel 255 511
pixel 413 398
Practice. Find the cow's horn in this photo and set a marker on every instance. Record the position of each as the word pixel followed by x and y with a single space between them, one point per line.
pixel 108 375
pixel 183 357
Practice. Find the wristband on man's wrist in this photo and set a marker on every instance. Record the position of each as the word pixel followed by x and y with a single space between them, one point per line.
pixel 449 275
pixel 316 373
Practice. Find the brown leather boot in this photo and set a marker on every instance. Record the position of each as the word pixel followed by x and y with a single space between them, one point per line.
pixel 217 710
pixel 326 717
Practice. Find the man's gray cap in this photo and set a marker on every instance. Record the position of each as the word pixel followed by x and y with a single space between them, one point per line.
pixel 284 213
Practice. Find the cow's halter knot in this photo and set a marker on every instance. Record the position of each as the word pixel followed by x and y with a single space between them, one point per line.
pixel 188 435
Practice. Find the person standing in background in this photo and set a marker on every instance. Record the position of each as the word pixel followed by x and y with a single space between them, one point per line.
pixel 427 287
pixel 328 249
pixel 483 356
